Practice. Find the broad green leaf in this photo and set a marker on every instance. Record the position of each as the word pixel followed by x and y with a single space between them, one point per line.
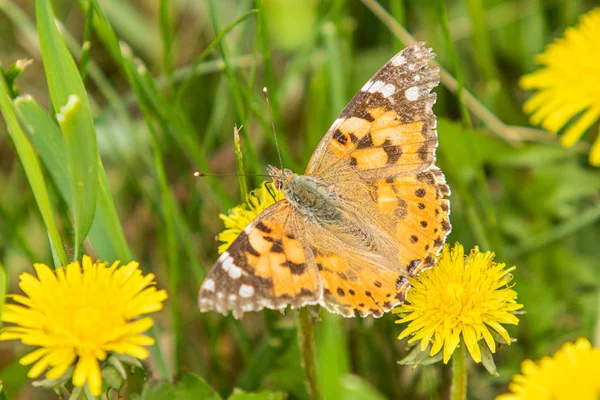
pixel 241 395
pixel 32 170
pixel 189 387
pixel 69 98
pixel 106 235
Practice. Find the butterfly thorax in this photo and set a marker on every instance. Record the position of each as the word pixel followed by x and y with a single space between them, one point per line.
pixel 307 195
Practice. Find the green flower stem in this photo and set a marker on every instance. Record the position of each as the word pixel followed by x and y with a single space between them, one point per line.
pixel 306 341
pixel 458 390
pixel 596 342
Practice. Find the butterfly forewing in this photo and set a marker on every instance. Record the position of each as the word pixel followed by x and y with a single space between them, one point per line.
pixel 384 144
pixel 388 125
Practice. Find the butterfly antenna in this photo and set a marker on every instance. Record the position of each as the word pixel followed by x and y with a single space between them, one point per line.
pixel 273 126
pixel 201 174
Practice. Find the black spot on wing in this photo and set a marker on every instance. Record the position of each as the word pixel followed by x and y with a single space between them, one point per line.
pixel 277 246
pixel 340 137
pixel 412 265
pixel 262 227
pixel 365 142
pixel 393 152
pixel 296 269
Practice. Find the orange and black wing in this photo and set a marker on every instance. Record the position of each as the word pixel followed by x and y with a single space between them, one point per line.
pixel 267 266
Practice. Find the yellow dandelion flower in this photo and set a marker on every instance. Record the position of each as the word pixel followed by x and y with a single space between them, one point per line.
pixel 460 296
pixel 76 316
pixel 239 217
pixel 568 84
pixel 571 373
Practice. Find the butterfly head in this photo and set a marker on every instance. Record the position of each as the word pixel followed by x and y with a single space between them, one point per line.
pixel 281 177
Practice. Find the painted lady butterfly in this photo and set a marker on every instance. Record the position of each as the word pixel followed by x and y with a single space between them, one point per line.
pixel 368 212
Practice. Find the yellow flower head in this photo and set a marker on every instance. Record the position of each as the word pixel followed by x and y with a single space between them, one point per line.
pixel 78 316
pixel 571 373
pixel 460 296
pixel 239 217
pixel 568 84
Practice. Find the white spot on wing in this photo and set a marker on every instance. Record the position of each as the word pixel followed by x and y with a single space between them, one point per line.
pixel 246 291
pixel 376 86
pixel 235 272
pixel 209 285
pixel 387 90
pixel 232 297
pixel 399 60
pixel 417 78
pixel 412 93
pixel 227 262
pixel 228 266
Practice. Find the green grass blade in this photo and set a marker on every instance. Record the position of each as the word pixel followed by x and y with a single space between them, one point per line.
pixel 75 118
pixel 32 170
pixel 482 44
pixel 3 287
pixel 87 42
pixel 106 236
pixel 398 11
pixel 166 31
pixel 336 71
pixel 48 142
pixel 332 355
pixel 240 163
pixel 449 44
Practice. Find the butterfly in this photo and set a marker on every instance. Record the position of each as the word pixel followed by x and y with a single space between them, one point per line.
pixel 369 211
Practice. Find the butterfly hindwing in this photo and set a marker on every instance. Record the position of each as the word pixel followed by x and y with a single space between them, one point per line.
pixel 355 285
pixel 413 209
pixel 266 266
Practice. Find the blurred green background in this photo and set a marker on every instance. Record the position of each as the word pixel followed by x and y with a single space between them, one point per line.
pixel 168 108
